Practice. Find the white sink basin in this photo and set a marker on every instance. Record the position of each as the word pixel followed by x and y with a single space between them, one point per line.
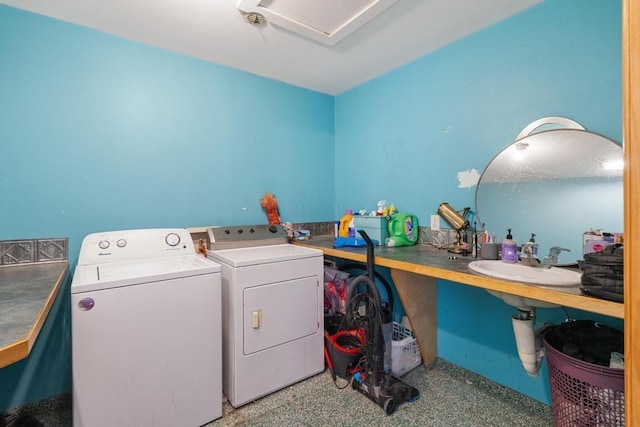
pixel 553 276
pixel 545 277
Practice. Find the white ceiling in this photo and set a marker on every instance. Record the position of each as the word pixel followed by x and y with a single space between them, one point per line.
pixel 216 31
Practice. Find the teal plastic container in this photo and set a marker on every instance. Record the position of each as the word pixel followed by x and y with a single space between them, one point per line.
pixel 403 230
pixel 377 227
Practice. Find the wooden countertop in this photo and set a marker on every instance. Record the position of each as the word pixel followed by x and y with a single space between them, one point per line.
pixel 27 292
pixel 426 260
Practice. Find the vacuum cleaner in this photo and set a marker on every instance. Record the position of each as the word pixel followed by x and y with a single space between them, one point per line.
pixel 373 380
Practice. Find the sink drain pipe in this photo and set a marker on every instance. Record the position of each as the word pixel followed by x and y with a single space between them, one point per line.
pixel 528 341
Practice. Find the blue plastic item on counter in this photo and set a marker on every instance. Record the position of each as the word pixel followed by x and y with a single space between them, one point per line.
pixel 351 241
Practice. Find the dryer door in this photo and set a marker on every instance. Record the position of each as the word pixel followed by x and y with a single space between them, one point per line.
pixel 278 313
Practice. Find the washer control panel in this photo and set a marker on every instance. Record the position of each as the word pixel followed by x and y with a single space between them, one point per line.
pixel 130 245
pixel 239 236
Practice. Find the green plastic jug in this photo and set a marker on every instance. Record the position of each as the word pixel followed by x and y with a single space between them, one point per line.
pixel 403 230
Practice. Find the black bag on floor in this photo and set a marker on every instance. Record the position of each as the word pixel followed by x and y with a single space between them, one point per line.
pixel 602 273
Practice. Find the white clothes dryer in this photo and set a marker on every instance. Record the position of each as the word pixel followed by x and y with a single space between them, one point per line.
pixel 272 310
pixel 146 331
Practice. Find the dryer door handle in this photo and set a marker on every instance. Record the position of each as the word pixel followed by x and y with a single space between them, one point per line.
pixel 256 319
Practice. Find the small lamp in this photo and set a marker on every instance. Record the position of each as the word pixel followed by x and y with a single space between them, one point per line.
pixel 457 221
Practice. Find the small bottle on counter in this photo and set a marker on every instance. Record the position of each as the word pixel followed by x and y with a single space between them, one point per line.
pixel 535 245
pixel 586 236
pixel 352 228
pixel 345 222
pixel 509 249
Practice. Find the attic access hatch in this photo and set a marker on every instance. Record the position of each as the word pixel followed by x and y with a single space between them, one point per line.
pixel 326 21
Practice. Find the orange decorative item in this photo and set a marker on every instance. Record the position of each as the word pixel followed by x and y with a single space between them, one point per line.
pixel 202 247
pixel 270 206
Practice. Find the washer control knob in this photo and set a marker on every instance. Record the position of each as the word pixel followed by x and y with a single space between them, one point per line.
pixel 121 243
pixel 172 239
pixel 103 244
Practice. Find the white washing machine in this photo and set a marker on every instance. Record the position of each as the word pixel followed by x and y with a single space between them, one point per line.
pixel 146 331
pixel 272 310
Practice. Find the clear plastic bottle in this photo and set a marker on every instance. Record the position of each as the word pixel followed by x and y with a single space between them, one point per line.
pixel 352 228
pixel 586 236
pixel 535 245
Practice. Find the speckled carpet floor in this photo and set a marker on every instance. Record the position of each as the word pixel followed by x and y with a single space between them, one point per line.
pixel 449 396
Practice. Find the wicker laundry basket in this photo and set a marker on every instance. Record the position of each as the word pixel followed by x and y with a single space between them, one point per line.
pixel 584 394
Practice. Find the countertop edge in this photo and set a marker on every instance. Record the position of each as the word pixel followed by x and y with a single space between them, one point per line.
pixel 470 278
pixel 21 349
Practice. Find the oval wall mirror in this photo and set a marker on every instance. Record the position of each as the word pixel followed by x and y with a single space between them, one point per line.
pixel 555 184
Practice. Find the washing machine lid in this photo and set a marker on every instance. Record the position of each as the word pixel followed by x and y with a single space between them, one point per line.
pixel 243 257
pixel 118 274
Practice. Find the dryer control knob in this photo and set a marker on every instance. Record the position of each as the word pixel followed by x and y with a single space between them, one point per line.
pixel 121 243
pixel 172 239
pixel 103 244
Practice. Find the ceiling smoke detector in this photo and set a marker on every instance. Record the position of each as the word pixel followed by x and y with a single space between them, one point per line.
pixel 254 18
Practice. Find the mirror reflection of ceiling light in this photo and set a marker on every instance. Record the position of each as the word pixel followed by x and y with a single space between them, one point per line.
pixel 613 165
pixel 326 21
pixel 518 154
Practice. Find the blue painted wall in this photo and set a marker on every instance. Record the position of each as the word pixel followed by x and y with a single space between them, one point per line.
pixel 100 133
pixel 404 137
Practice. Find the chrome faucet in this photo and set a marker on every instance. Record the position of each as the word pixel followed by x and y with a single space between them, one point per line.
pixel 552 258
